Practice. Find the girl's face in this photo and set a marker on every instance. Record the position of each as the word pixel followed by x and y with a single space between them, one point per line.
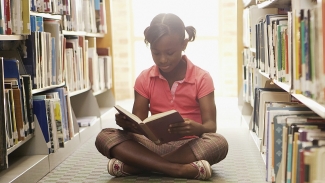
pixel 167 52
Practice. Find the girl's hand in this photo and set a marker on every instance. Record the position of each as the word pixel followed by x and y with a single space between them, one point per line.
pixel 127 125
pixel 186 128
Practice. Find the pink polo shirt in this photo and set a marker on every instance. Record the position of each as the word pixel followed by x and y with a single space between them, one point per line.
pixel 183 95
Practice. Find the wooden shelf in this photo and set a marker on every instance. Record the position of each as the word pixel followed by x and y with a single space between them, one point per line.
pixel 46 15
pixel 275 4
pixel 74 93
pixel 82 33
pixel 20 143
pixel 285 86
pixel 47 88
pixel 264 74
pixel 95 34
pixel 99 92
pixel 73 33
pixel 26 169
pixel 11 37
pixel 248 3
pixel 252 50
pixel 310 103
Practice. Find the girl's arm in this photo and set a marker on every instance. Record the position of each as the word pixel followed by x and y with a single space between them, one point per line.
pixel 208 113
pixel 140 106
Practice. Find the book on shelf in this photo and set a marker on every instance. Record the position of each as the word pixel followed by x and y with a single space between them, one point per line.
pixel 312 145
pixel 11 119
pixel 279 140
pixel 273 110
pixel 292 145
pixel 64 113
pixel 53 27
pixel 41 115
pixel 3 126
pixel 106 75
pixel 56 116
pixel 263 95
pixel 12 76
pixel 69 114
pixel 27 83
pixel 156 126
pixel 102 26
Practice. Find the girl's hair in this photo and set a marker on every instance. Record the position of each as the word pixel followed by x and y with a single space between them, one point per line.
pixel 167 23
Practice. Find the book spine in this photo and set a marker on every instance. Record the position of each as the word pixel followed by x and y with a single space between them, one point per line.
pixel 29 102
pixel 19 114
pixel 4 124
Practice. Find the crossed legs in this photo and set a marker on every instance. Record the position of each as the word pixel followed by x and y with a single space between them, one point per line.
pixel 138 158
pixel 181 159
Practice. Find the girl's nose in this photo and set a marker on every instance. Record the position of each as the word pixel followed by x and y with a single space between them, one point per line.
pixel 163 59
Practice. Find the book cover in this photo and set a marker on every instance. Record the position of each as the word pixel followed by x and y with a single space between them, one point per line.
pixel 29 101
pixel 3 133
pixel 11 112
pixel 293 128
pixel 40 112
pixel 19 113
pixel 24 106
pixel 279 154
pixel 69 116
pixel 156 126
pixel 26 16
pixel 8 121
pixel 51 125
pixel 275 96
pixel 63 102
pixel 7 12
pixel 273 147
pixel 53 27
pixel 30 58
pixel 58 121
pixel 11 70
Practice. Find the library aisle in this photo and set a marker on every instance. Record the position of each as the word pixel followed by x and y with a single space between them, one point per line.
pixel 242 165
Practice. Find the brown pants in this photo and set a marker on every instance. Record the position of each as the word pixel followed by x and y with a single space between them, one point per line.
pixel 212 147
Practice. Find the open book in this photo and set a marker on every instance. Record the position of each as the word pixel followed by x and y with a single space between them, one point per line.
pixel 155 127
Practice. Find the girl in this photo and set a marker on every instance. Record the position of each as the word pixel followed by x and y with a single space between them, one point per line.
pixel 174 82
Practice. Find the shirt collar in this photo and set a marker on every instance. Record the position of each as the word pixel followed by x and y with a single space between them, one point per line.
pixel 190 71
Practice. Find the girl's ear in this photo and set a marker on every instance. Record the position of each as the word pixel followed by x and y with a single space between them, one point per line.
pixel 184 45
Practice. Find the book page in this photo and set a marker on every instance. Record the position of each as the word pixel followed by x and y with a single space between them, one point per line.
pixel 128 114
pixel 159 115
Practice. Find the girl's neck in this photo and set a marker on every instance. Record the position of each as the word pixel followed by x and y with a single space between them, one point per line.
pixel 178 73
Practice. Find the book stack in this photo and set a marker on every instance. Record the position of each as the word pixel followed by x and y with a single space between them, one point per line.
pixel 288 46
pixel 51 111
pixel 45 83
pixel 290 135
pixel 19 109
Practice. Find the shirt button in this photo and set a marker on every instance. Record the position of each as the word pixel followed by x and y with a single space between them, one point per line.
pixel 171 101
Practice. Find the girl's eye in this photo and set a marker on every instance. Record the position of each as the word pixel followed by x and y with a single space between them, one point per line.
pixel 170 53
pixel 155 53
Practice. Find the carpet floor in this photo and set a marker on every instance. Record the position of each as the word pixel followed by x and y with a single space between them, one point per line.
pixel 243 163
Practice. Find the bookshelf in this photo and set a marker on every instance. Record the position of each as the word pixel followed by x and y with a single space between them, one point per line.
pixel 29 159
pixel 288 74
pixel 274 4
